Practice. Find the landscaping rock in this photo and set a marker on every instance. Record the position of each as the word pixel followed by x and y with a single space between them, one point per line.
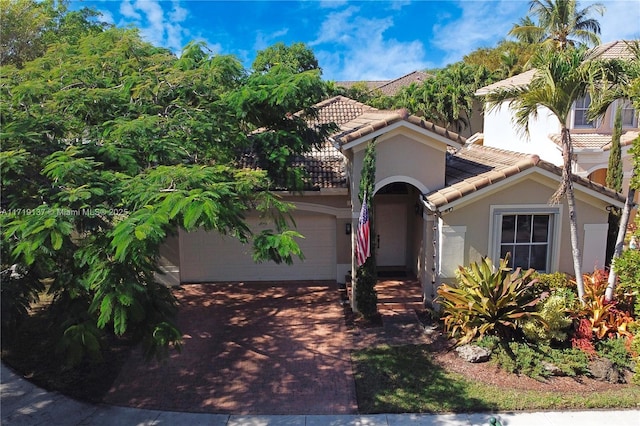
pixel 552 369
pixel 603 369
pixel 473 353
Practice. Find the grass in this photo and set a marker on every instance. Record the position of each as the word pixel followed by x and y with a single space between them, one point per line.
pixel 404 379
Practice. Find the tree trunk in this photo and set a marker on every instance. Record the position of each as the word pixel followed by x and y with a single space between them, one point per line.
pixel 622 230
pixel 566 188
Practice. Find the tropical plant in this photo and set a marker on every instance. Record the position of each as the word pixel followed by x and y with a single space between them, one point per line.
pixel 561 78
pixel 605 318
pixel 488 300
pixel 447 98
pixel 614 80
pixel 561 24
pixel 555 319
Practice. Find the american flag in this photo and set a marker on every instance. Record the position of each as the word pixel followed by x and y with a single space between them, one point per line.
pixel 363 249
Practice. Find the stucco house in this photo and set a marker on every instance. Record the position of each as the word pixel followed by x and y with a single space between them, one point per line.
pixel 591 139
pixel 439 202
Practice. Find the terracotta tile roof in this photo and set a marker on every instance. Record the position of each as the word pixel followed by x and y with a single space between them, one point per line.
pixel 371 84
pixel 392 87
pixel 356 120
pixel 338 110
pixel 324 166
pixel 618 49
pixel 516 81
pixel 389 87
pixel 595 141
pixel 476 167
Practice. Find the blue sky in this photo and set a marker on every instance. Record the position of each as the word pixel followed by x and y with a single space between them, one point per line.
pixel 363 40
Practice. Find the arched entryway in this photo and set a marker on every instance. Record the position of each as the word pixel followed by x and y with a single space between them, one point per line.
pixel 397 229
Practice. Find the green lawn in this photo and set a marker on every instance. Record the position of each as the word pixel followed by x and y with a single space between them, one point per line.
pixel 405 380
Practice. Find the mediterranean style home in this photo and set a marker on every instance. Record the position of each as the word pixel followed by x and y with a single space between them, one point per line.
pixel 591 139
pixel 439 202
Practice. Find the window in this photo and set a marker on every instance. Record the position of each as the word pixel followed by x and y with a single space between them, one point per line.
pixel 529 234
pixel 629 114
pixel 580 109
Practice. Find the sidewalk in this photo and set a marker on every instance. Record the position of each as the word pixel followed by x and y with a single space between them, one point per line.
pixel 22 403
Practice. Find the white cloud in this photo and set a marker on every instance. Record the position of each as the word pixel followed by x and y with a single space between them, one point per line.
pixel 106 16
pixel 127 10
pixel 157 26
pixel 352 47
pixel 482 24
pixel 265 40
pixel 621 20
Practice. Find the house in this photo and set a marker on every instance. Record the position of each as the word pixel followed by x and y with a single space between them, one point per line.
pixel 389 87
pixel 591 139
pixel 439 203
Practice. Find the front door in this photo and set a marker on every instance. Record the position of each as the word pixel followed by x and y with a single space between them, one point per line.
pixel 391 234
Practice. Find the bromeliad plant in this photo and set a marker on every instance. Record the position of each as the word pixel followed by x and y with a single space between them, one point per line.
pixel 488 300
pixel 605 318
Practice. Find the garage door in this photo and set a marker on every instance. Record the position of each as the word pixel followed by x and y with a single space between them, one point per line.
pixel 208 256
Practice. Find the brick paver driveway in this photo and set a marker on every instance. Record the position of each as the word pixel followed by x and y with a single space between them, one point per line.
pixel 255 348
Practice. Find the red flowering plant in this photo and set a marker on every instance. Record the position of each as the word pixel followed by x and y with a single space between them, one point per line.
pixel 596 318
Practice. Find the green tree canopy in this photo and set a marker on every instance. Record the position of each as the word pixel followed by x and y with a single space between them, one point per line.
pixel 27 27
pixel 109 145
pixel 297 58
pixel 561 78
pixel 560 24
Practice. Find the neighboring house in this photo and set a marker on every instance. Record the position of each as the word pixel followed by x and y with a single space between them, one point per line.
pixel 591 139
pixel 439 203
pixel 389 87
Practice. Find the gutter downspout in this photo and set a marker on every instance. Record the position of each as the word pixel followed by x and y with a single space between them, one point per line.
pixel 437 217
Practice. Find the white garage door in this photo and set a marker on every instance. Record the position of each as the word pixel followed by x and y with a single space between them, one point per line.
pixel 208 256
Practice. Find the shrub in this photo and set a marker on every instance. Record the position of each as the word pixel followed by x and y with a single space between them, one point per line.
pixel 554 314
pixel 530 360
pixel 635 351
pixel 554 281
pixel 366 296
pixel 617 351
pixel 489 300
pixel 627 266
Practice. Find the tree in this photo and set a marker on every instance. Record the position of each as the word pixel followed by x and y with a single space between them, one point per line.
pixel 297 58
pixel 619 79
pixel 447 99
pixel 614 181
pixel 27 27
pixel 505 60
pixel 109 145
pixel 561 24
pixel 367 274
pixel 561 77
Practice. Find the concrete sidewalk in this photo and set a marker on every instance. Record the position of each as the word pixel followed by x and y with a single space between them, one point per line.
pixel 22 403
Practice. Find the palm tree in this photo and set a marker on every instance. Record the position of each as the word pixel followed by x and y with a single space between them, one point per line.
pixel 561 24
pixel 561 78
pixel 618 79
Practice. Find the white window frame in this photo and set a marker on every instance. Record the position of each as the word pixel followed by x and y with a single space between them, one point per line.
pixel 626 105
pixel 593 124
pixel 495 229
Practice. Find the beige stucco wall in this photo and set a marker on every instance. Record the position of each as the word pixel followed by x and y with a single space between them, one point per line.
pixel 534 190
pixel 403 153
